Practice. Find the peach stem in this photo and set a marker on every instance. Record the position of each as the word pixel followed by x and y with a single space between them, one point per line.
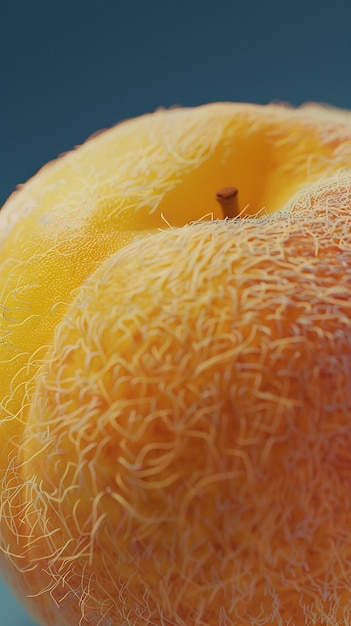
pixel 228 199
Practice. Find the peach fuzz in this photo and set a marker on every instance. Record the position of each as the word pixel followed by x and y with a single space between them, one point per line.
pixel 175 387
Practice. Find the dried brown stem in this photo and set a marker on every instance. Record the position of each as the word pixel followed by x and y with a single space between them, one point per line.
pixel 228 199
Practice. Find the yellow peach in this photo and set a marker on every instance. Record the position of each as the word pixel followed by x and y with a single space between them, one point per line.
pixel 175 388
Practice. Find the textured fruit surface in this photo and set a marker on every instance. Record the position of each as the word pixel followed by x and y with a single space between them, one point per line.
pixel 176 396
pixel 139 176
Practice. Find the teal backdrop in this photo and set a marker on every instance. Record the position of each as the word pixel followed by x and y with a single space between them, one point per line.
pixel 72 67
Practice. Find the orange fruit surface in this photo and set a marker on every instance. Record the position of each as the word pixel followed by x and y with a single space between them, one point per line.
pixel 175 387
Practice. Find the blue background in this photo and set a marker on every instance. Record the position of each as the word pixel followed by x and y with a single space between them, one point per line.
pixel 72 67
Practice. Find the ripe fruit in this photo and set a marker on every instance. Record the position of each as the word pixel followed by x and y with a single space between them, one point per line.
pixel 175 389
